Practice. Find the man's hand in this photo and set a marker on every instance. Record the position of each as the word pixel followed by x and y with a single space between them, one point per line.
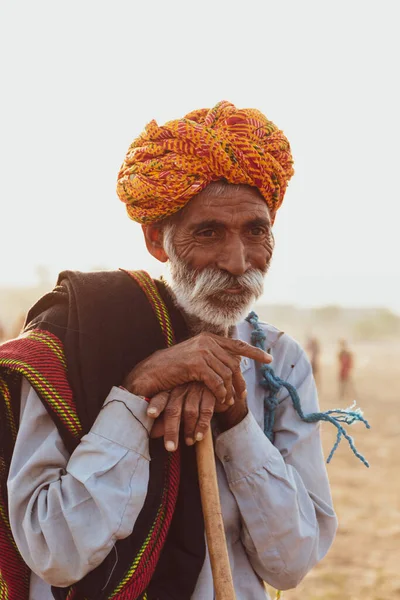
pixel 194 404
pixel 207 358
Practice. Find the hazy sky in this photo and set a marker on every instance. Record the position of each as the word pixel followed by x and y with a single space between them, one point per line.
pixel 80 80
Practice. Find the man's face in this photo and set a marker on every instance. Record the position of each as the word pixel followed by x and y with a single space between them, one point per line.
pixel 219 250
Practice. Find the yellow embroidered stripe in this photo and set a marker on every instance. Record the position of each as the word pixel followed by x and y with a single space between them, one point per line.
pixel 158 305
pixel 42 336
pixel 3 588
pixel 7 400
pixel 134 566
pixel 150 289
pixel 60 407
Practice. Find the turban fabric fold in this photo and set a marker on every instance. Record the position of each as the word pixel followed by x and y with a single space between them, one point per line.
pixel 166 166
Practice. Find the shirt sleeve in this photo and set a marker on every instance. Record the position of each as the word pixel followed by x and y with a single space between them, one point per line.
pixel 67 512
pixel 282 489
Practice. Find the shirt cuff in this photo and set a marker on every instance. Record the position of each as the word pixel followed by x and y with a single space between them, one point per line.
pixel 123 419
pixel 244 449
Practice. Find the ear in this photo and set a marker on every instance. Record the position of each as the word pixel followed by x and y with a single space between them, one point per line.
pixel 154 241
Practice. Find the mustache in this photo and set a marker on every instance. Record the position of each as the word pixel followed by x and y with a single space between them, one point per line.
pixel 210 281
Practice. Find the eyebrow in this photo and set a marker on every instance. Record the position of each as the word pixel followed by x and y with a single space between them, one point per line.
pixel 210 223
pixel 259 222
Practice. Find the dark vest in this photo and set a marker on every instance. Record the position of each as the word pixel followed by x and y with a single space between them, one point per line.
pixel 106 326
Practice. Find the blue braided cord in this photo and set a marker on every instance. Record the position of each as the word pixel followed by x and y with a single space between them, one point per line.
pixel 273 384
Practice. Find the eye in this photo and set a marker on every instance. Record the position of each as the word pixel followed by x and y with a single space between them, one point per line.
pixel 207 233
pixel 258 231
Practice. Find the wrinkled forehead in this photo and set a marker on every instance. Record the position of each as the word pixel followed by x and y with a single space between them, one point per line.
pixel 221 200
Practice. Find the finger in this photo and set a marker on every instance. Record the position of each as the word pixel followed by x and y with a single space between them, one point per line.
pixel 239 384
pixel 243 349
pixel 214 382
pixel 172 417
pixel 205 414
pixel 220 408
pixel 157 430
pixel 157 404
pixel 191 410
pixel 224 372
pixel 233 363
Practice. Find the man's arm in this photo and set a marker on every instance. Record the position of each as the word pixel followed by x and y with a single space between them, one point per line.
pixel 282 489
pixel 67 512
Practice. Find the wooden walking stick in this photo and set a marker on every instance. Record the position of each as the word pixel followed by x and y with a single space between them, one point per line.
pixel 215 534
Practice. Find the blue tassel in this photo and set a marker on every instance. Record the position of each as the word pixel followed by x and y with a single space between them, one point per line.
pixel 273 384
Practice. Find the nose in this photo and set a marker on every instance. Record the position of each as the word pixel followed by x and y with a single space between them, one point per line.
pixel 233 258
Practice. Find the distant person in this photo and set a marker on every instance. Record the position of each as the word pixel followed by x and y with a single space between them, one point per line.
pixel 313 348
pixel 346 363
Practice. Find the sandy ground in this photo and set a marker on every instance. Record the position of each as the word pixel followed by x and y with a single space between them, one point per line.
pixel 363 562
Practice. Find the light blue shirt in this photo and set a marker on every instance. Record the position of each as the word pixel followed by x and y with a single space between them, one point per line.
pixel 67 512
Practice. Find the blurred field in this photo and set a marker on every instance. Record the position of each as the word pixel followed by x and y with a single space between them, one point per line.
pixel 363 563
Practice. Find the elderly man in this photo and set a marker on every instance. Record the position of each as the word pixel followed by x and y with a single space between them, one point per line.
pixel 103 498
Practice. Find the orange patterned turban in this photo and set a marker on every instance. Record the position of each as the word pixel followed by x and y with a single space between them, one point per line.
pixel 166 166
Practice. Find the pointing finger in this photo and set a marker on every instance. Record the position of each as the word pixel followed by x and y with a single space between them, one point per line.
pixel 243 349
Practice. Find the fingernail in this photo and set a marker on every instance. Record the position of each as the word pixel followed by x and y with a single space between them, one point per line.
pixel 231 401
pixel 152 411
pixel 170 446
pixel 199 436
pixel 243 395
pixel 189 441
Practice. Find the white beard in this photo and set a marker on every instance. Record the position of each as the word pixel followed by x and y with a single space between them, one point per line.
pixel 201 294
